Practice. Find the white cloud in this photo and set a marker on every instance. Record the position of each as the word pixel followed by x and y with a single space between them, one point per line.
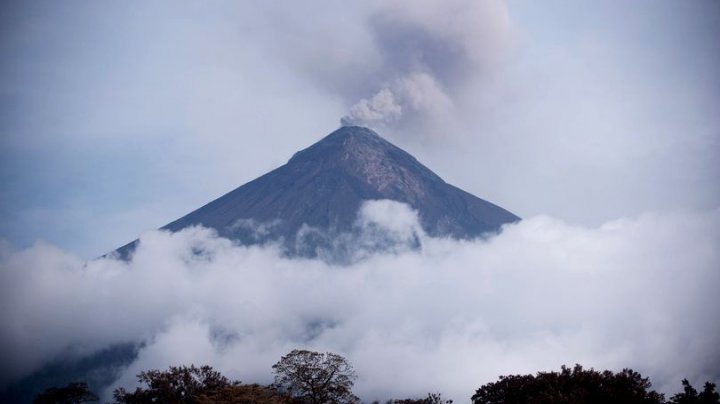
pixel 391 216
pixel 634 293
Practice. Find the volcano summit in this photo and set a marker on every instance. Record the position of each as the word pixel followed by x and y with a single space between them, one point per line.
pixel 308 203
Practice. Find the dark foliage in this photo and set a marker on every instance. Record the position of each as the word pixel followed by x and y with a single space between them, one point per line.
pixel 432 398
pixel 244 394
pixel 691 396
pixel 306 377
pixel 73 393
pixel 315 378
pixel 178 385
pixel 569 386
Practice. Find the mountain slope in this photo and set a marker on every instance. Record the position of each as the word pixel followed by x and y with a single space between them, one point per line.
pixel 323 186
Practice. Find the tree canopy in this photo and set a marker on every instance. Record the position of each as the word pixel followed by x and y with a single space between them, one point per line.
pixel 179 384
pixel 316 378
pixel 569 386
pixel 244 394
pixel 73 393
pixel 306 377
pixel 432 398
pixel 691 396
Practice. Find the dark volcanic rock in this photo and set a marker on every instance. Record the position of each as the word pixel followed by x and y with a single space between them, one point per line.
pixel 323 186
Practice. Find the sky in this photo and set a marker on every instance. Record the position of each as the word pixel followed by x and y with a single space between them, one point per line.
pixel 115 119
pixel 596 121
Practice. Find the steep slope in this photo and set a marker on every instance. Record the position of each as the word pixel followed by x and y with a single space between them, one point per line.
pixel 323 186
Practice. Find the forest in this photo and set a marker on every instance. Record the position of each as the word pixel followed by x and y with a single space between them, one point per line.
pixel 307 377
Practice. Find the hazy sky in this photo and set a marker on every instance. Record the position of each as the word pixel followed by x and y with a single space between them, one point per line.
pixel 118 118
pixel 596 121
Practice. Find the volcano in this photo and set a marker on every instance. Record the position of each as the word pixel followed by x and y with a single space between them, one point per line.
pixel 307 203
pixel 305 207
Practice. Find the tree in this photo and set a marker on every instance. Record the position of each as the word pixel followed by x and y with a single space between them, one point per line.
pixel 316 378
pixel 576 386
pixel 73 393
pixel 691 396
pixel 709 395
pixel 178 385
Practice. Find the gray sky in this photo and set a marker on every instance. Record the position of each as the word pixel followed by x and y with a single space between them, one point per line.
pixel 118 118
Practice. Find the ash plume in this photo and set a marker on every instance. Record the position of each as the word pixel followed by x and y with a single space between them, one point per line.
pixel 428 52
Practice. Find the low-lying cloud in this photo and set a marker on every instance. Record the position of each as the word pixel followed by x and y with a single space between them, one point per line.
pixel 639 293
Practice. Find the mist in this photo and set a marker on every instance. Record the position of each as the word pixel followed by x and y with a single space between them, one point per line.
pixel 635 292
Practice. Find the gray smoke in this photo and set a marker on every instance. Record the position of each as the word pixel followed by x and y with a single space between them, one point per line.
pixel 428 51
pixel 417 93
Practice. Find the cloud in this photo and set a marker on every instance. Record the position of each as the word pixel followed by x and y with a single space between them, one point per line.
pixel 637 293
pixel 382 226
pixel 393 217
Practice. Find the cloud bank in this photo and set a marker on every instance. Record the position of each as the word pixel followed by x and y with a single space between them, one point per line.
pixel 638 293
